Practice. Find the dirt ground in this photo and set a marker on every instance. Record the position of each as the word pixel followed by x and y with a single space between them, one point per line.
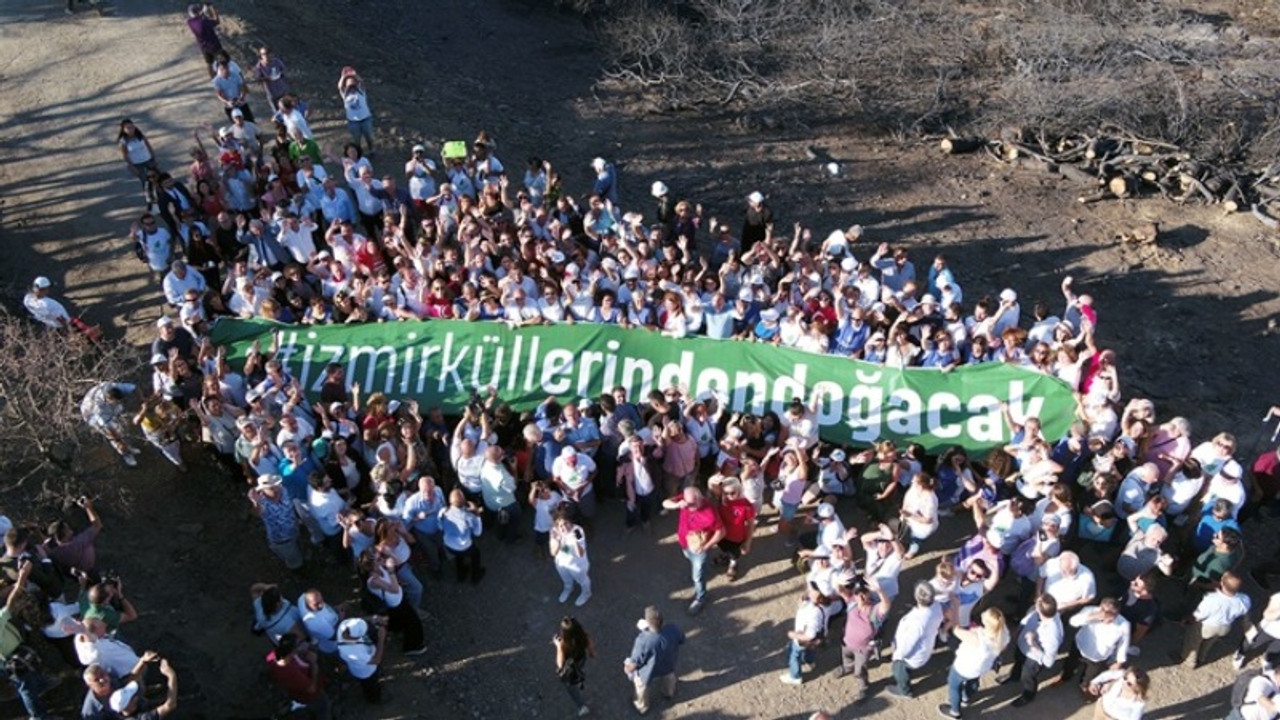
pixel 1193 319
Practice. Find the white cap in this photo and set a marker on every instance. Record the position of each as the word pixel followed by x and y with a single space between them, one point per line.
pixel 572 270
pixel 568 451
pixel 419 148
pixel 755 198
pixel 659 189
pixel 393 406
pixel 277 275
pixel 121 698
pixel 225 132
pixel 41 282
pixel 746 295
pixel 598 163
pixel 237 112
pixel 838 237
pixel 164 321
pixel 353 628
pixel 1008 295
pixel 159 359
pixel 928 300
pixel 848 264
pixel 556 257
pixel 769 315
pixel 631 273
pixel 584 404
pixel 269 481
pixel 826 510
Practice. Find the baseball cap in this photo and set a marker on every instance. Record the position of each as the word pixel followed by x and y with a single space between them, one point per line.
pixel 826 511
pixel 659 189
pixel 164 321
pixel 121 698
pixel 41 282
pixel 159 359
pixel 353 628
pixel 755 197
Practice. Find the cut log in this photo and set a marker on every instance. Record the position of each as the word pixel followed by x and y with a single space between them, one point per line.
pixel 1122 186
pixel 1234 199
pixel 1094 197
pixel 959 146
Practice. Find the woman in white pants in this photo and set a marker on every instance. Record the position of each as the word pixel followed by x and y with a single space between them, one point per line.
pixel 569 548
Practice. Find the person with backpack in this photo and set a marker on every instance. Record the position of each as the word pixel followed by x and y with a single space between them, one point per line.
pixel 1253 696
pixel 807 634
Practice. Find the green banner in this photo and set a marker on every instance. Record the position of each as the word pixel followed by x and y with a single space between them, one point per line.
pixel 442 361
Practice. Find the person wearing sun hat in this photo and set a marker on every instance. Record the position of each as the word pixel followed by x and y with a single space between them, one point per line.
pixel 278 517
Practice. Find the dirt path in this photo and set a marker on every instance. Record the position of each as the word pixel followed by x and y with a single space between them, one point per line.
pixel 1191 318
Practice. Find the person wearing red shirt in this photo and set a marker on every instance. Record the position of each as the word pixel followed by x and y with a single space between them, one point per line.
pixel 738 516
pixel 297 672
pixel 700 529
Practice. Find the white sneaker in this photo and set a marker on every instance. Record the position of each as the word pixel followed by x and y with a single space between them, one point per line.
pixel 786 679
pixel 564 596
pixel 584 711
pixel 129 460
pixel 1237 662
pixel 582 599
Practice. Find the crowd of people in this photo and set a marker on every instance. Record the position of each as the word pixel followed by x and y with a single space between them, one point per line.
pixel 1128 524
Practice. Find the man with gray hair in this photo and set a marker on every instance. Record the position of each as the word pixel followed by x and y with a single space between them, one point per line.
pixel 914 639
pixel 653 658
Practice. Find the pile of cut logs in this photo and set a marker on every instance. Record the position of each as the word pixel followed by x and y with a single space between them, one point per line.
pixel 1116 165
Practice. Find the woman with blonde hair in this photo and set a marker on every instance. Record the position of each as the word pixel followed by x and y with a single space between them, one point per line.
pixel 976 656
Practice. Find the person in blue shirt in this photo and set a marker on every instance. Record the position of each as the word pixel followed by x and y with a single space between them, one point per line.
pixel 653 658
pixel 421 514
pixel 1216 517
pixel 606 186
pixel 461 525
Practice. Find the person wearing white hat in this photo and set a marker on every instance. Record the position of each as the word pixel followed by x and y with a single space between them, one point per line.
pixel 836 478
pixel 129 701
pixel 606 186
pixel 574 473
pixel 755 221
pixel 768 330
pixel 1007 315
pixel 43 308
pixel 279 519
pixel 362 652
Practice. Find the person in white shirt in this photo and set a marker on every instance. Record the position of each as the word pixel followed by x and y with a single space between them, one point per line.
pixel 320 620
pixel 1122 694
pixel 1259 701
pixel 296 237
pixel 362 654
pixel 1212 619
pixel 181 278
pixel 977 654
pixel 1039 638
pixel 805 635
pixel 568 545
pixel 1102 642
pixel 1259 636
pixel 914 639
pixel 43 308
pixel 1070 583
